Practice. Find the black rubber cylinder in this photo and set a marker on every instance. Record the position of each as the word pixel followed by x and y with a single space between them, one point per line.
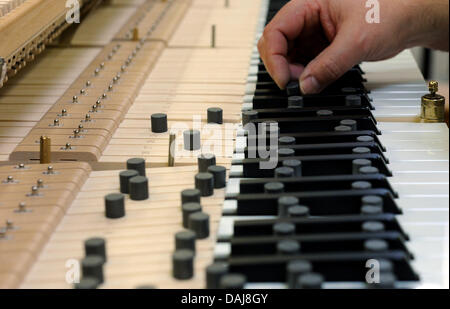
pixel 215 115
pixel 284 203
pixel 185 240
pixel 310 281
pixel 220 176
pixel 191 140
pixel 205 183
pixel 286 152
pixel 92 266
pixel 233 282
pixel 288 247
pixel 183 264
pixel 95 246
pixel 353 100
pixel 295 102
pixel 214 274
pixel 159 123
pixel 190 196
pixel 114 205
pixel 283 229
pixel 274 187
pixel 295 269
pixel 187 210
pixel 138 188
pixel 248 116
pixel 298 211
pixel 286 140
pixel 284 172
pixel 296 165
pixel 204 161
pixel 358 163
pixel 199 224
pixel 88 283
pixel 125 177
pixel 293 88
pixel 137 164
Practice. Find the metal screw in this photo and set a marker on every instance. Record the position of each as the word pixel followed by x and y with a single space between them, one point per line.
pixel 34 190
pixel 40 183
pixel 9 225
pixel 22 207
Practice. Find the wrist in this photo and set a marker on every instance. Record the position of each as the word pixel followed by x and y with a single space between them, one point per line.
pixel 427 23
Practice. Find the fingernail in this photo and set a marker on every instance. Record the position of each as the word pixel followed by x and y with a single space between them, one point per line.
pixel 309 85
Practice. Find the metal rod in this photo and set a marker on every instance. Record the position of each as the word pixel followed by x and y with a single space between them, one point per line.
pixel 213 36
pixel 172 144
pixel 45 155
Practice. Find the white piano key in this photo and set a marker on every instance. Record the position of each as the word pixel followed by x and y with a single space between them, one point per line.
pixel 232 186
pixel 434 203
pixel 423 216
pixel 229 207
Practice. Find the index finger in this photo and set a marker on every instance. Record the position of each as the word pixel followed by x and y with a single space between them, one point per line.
pixel 273 45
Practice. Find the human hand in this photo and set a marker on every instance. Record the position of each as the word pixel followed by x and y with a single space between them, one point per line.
pixel 317 41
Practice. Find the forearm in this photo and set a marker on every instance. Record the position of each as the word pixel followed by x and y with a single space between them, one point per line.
pixel 429 24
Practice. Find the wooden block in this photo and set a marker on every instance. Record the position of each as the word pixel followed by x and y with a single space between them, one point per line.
pixel 135 243
pixel 29 228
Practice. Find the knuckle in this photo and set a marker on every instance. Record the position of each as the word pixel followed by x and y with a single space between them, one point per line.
pixel 260 43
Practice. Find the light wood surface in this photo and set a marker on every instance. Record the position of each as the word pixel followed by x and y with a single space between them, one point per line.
pixel 183 82
pixel 188 78
pixel 27 231
pixel 140 245
pixel 130 61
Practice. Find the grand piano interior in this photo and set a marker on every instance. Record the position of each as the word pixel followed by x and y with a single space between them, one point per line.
pixel 125 148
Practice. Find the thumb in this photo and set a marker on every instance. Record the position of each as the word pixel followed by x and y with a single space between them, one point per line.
pixel 331 63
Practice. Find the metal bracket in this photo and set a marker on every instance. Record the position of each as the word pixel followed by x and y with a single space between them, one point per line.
pixel 3 70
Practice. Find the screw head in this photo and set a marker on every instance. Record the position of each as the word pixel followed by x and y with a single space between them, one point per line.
pixel 433 86
pixel 22 206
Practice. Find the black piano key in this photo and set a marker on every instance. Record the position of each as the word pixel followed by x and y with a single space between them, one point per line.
pixel 310 100
pixel 317 225
pixel 336 266
pixel 321 243
pixel 319 183
pixel 344 112
pixel 321 149
pixel 320 203
pixel 324 138
pixel 319 165
pixel 314 124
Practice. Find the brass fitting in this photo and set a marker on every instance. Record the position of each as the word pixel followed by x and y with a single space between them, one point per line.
pixel 433 105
